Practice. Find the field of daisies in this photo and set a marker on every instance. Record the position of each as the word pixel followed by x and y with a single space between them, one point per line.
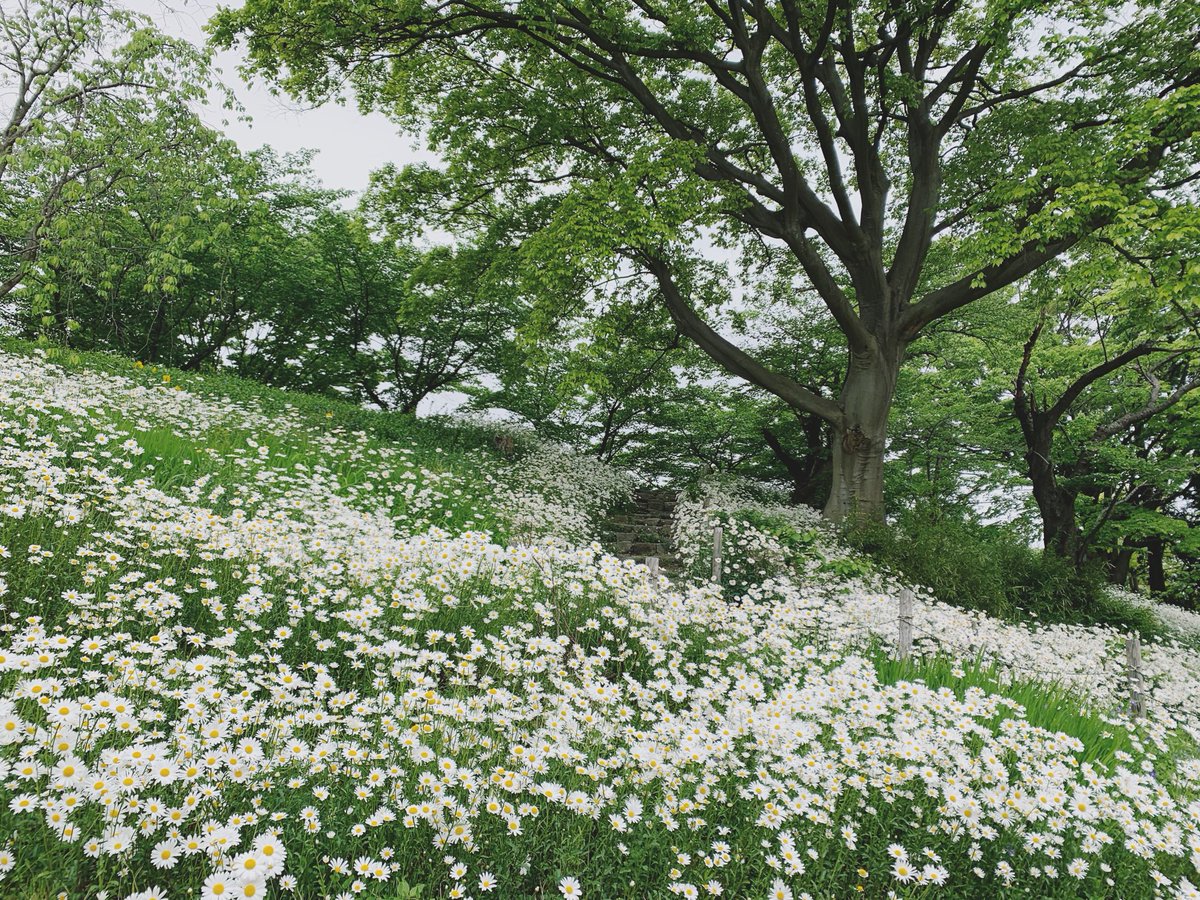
pixel 252 648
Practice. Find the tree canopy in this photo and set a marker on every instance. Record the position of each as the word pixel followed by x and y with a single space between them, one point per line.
pixel 94 95
pixel 896 161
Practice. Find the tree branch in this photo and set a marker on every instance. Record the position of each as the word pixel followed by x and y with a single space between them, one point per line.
pixel 735 360
pixel 1150 409
pixel 981 282
pixel 1080 384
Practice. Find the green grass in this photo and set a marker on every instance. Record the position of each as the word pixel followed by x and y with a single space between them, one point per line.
pixel 462 452
pixel 564 843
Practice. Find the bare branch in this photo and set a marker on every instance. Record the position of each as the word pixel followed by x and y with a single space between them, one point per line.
pixel 731 357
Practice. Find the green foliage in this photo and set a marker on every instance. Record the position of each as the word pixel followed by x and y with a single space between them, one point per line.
pixel 990 568
pixel 961 562
pixel 1184 589
pixel 602 385
pixel 405 891
pixel 846 567
pixel 238 261
pixel 1103 427
pixel 877 170
pixel 99 99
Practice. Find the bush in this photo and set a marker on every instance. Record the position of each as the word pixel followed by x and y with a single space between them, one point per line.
pixel 764 538
pixel 962 562
pixel 991 568
pixel 1184 589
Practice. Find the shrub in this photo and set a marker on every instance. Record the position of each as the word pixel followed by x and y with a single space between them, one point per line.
pixel 763 538
pixel 962 562
pixel 1184 589
pixel 991 568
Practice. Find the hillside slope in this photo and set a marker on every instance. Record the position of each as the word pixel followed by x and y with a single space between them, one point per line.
pixel 261 645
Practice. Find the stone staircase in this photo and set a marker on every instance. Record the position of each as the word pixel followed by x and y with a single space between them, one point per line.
pixel 643 528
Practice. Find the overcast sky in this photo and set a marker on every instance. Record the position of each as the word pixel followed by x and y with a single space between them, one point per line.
pixel 349 145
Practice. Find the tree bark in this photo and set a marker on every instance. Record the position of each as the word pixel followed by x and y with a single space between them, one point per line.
pixel 1056 504
pixel 860 437
pixel 157 331
pixel 1155 577
pixel 808 472
pixel 1118 565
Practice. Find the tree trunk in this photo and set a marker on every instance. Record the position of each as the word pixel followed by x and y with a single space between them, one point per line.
pixel 157 330
pixel 1060 532
pixel 808 472
pixel 1155 577
pixel 860 439
pixel 1118 565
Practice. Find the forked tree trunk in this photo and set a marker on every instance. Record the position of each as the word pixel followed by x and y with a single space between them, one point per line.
pixel 859 442
pixel 1056 504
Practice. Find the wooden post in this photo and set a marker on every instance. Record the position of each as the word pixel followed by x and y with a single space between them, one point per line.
pixel 1137 686
pixel 652 565
pixel 906 623
pixel 716 572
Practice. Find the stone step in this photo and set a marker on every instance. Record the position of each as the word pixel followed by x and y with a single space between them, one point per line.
pixel 640 519
pixel 640 534
pixel 656 509
pixel 638 537
pixel 647 548
pixel 655 493
pixel 644 527
pixel 625 523
pixel 625 537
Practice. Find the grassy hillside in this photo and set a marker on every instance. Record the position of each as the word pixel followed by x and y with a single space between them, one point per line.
pixel 259 644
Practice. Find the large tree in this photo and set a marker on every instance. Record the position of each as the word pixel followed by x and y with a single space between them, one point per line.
pixel 600 384
pixel 1115 346
pixel 196 249
pixel 89 95
pixel 851 142
pixel 1075 397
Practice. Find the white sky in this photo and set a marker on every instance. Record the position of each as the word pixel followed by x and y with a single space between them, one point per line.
pixel 349 144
